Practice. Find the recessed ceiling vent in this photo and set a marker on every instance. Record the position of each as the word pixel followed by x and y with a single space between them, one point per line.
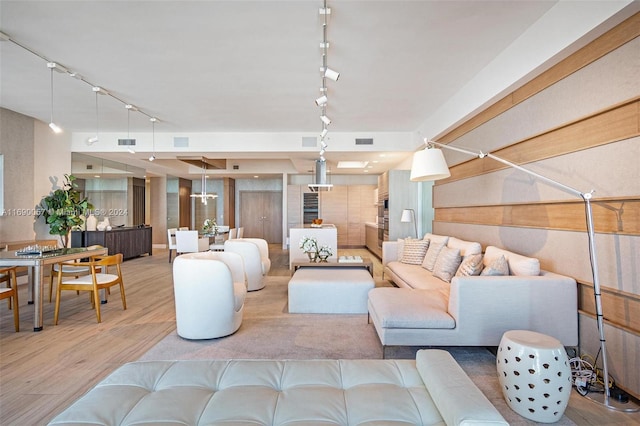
pixel 89 166
pixel 364 141
pixel 321 178
pixel 181 142
pixel 126 142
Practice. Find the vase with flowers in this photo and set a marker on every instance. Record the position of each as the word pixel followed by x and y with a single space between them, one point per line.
pixel 210 227
pixel 309 245
pixel 324 252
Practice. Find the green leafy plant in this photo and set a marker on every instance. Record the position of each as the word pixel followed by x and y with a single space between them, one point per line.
pixel 64 208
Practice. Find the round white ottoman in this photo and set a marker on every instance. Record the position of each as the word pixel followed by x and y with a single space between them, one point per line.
pixel 534 374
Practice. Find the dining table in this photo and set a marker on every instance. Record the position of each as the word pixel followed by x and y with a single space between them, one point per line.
pixel 36 259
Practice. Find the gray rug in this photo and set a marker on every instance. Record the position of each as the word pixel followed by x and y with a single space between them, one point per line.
pixel 268 331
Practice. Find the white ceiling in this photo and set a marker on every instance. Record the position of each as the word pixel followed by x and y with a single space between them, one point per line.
pixel 239 78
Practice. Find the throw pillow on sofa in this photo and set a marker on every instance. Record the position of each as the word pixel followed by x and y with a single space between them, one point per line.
pixel 470 266
pixel 447 263
pixel 414 251
pixel 498 267
pixel 437 242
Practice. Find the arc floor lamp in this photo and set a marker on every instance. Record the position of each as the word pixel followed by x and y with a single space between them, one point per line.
pixel 429 164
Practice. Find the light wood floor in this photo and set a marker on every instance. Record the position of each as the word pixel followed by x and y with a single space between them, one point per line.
pixel 42 373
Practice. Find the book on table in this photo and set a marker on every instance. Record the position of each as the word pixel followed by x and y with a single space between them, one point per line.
pixel 350 259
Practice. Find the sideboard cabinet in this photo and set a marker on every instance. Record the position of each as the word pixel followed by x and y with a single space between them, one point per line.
pixel 131 242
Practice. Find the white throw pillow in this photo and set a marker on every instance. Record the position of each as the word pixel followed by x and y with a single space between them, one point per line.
pixel 498 267
pixel 414 251
pixel 447 263
pixel 470 266
pixel 437 242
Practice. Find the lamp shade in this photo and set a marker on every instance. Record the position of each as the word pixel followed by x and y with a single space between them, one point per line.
pixel 429 164
pixel 406 216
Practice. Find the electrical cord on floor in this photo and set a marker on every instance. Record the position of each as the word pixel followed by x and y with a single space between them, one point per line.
pixel 586 377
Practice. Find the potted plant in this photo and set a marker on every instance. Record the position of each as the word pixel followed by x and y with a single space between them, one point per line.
pixel 309 245
pixel 64 208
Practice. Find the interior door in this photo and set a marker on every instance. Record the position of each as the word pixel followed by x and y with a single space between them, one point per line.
pixel 261 215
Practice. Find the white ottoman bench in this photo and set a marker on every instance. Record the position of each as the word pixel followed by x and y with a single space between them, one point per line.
pixel 329 290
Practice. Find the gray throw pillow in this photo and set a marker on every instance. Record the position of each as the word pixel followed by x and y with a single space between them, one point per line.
pixel 498 267
pixel 447 263
pixel 435 245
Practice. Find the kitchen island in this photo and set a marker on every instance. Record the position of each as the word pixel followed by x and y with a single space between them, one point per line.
pixel 326 235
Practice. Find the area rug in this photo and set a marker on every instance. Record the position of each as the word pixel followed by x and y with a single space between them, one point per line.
pixel 268 331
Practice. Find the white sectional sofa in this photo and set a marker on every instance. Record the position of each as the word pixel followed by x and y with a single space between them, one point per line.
pixel 470 310
pixel 432 390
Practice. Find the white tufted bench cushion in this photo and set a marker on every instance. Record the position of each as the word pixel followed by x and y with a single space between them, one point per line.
pixel 270 392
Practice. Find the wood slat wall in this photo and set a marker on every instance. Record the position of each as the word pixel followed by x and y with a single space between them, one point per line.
pixel 619 216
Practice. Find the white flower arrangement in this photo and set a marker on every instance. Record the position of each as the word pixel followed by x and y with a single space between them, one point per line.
pixel 210 225
pixel 325 251
pixel 308 244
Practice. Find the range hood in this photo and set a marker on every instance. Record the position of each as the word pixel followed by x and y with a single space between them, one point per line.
pixel 321 178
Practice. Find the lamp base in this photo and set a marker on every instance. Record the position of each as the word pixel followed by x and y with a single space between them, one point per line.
pixel 613 403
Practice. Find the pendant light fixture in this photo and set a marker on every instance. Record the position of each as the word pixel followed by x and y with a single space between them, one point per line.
pixel 203 194
pixel 153 138
pixel 54 66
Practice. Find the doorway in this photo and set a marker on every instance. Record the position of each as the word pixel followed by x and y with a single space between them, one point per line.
pixel 261 215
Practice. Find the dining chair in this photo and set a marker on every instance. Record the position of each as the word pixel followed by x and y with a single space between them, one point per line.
pixel 72 269
pixel 101 277
pixel 183 228
pixel 190 242
pixel 171 240
pixel 240 232
pixel 233 232
pixel 10 292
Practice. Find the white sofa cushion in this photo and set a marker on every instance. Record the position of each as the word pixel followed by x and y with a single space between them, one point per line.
pixel 419 309
pixel 467 248
pixel 518 264
pixel 436 242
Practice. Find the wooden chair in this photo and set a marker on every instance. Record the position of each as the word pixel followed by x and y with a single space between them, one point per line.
pixel 74 269
pixel 99 279
pixel 9 276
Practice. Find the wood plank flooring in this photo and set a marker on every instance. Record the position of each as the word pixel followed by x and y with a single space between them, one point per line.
pixel 43 373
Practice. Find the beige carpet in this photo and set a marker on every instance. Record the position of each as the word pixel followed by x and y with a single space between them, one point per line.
pixel 268 331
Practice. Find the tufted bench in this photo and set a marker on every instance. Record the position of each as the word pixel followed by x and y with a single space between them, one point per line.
pixel 432 390
pixel 329 290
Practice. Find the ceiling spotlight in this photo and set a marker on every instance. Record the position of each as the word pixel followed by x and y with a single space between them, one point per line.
pixel 322 152
pixel 52 125
pixel 92 140
pixel 131 151
pixel 131 107
pixel 153 157
pixel 322 135
pixel 333 75
pixel 55 127
pixel 325 119
pixel 75 75
pixel 324 45
pixel 323 144
pixel 322 100
pixel 324 11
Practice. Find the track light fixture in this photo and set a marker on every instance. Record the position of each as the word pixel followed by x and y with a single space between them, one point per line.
pixel 325 119
pixel 322 100
pixel 333 75
pixel 323 134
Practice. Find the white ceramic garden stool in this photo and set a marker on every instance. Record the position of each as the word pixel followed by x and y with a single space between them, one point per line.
pixel 534 374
